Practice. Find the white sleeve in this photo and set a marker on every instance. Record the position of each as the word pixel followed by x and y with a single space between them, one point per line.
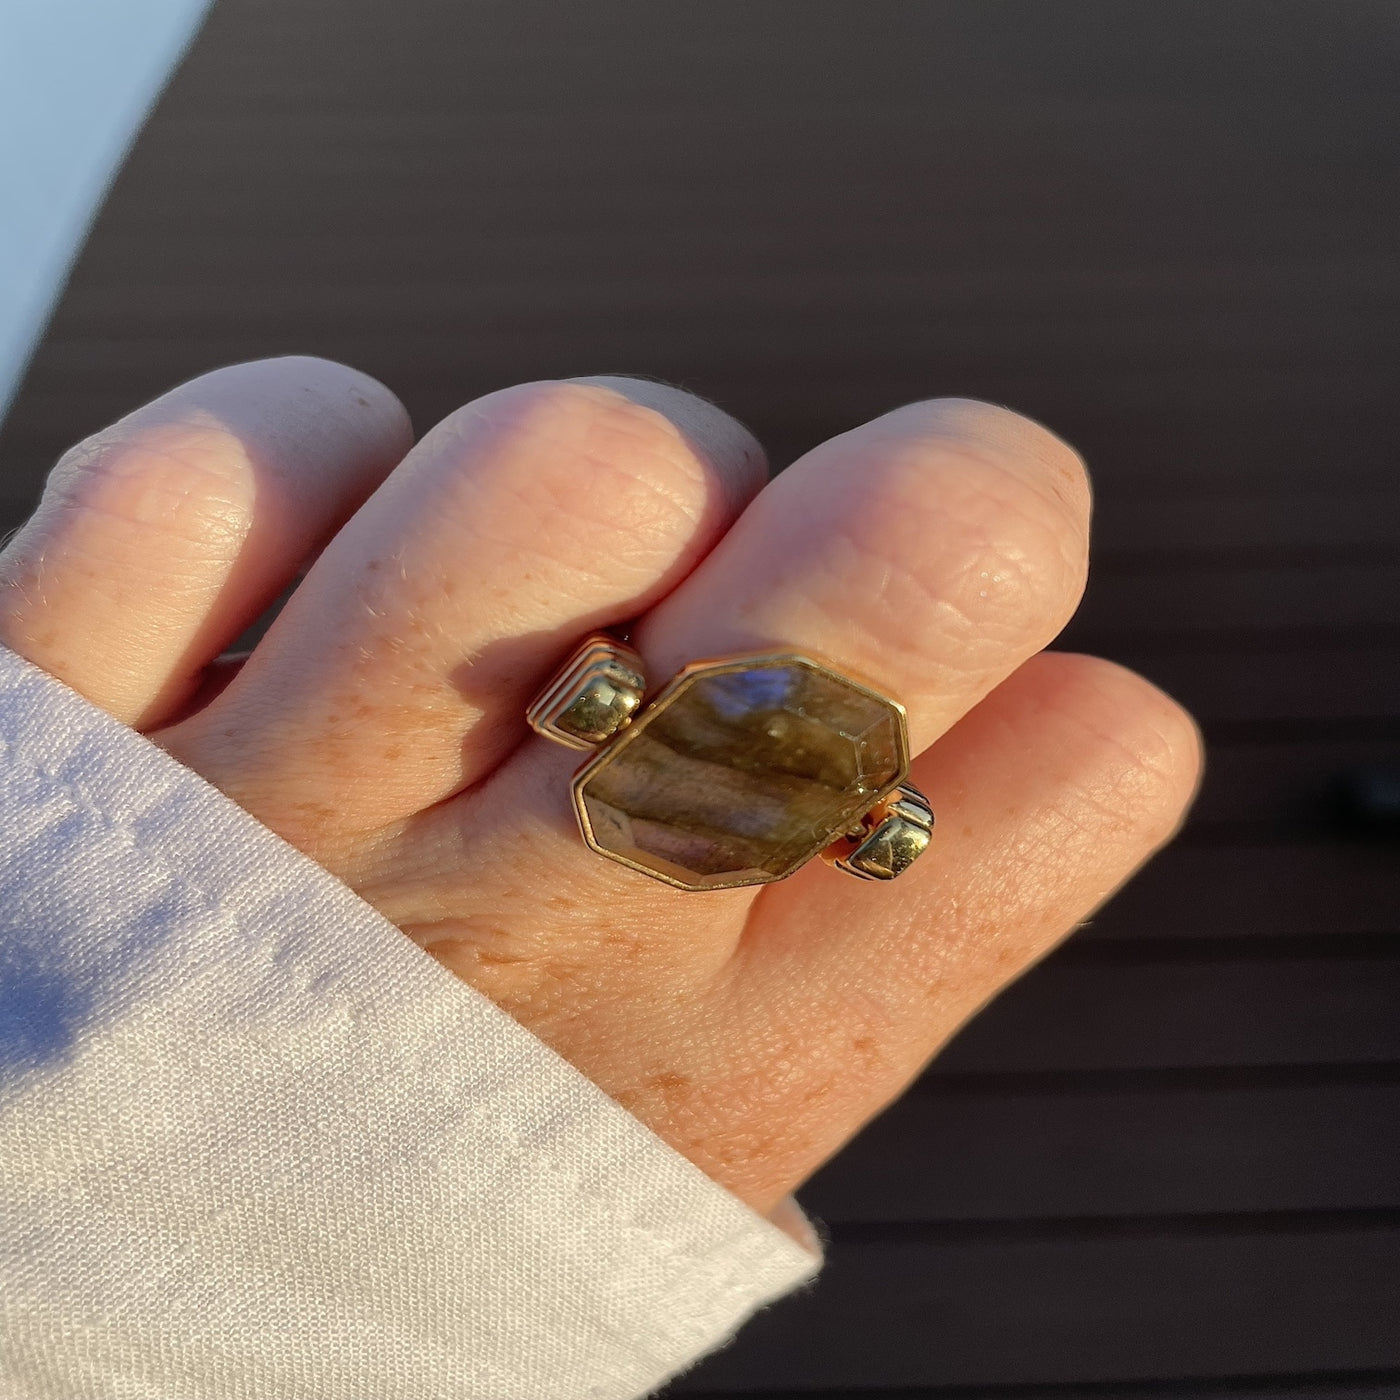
pixel 255 1143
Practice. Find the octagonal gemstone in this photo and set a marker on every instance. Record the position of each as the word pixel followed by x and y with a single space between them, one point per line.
pixel 740 772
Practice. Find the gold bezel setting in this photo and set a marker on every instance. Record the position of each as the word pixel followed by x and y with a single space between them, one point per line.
pixel 676 688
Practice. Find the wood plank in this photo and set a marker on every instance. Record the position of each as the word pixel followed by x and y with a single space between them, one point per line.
pixel 872 241
pixel 1188 519
pixel 999 1307
pixel 1268 891
pixel 1071 1015
pixel 1370 1384
pixel 997 1153
pixel 1248 680
pixel 1222 595
pixel 1078 311
pixel 1286 789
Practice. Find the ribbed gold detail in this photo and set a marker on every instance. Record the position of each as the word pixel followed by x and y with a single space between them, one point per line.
pixel 592 697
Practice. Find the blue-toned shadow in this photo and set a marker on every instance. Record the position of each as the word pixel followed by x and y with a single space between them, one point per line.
pixel 42 1011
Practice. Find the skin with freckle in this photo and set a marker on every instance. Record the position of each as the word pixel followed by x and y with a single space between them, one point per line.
pixel 932 553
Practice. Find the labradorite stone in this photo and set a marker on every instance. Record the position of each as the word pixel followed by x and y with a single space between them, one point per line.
pixel 741 776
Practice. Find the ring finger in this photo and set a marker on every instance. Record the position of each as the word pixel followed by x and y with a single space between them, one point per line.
pixel 929 552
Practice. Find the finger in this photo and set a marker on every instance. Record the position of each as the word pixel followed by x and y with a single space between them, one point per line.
pixel 930 552
pixel 1050 793
pixel 162 538
pixel 398 672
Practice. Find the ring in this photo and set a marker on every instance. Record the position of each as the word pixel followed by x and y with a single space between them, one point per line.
pixel 738 771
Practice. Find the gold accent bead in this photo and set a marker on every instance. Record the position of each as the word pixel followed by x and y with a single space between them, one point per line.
pixel 592 697
pixel 889 839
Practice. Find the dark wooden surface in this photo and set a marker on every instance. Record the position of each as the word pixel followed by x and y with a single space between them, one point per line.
pixel 1168 1162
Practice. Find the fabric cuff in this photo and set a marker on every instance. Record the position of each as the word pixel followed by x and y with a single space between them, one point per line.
pixel 258 1143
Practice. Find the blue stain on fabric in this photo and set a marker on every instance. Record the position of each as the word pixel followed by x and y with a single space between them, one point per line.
pixel 741 693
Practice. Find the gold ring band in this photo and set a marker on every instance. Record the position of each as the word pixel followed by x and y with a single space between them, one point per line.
pixel 738 771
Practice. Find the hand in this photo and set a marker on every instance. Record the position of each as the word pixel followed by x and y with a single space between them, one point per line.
pixel 378 726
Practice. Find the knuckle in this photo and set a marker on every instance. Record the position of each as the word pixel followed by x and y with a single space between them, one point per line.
pixel 720 439
pixel 341 398
pixel 1003 438
pixel 592 454
pixel 190 480
pixel 584 419
pixel 1019 565
pixel 979 557
pixel 1001 597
